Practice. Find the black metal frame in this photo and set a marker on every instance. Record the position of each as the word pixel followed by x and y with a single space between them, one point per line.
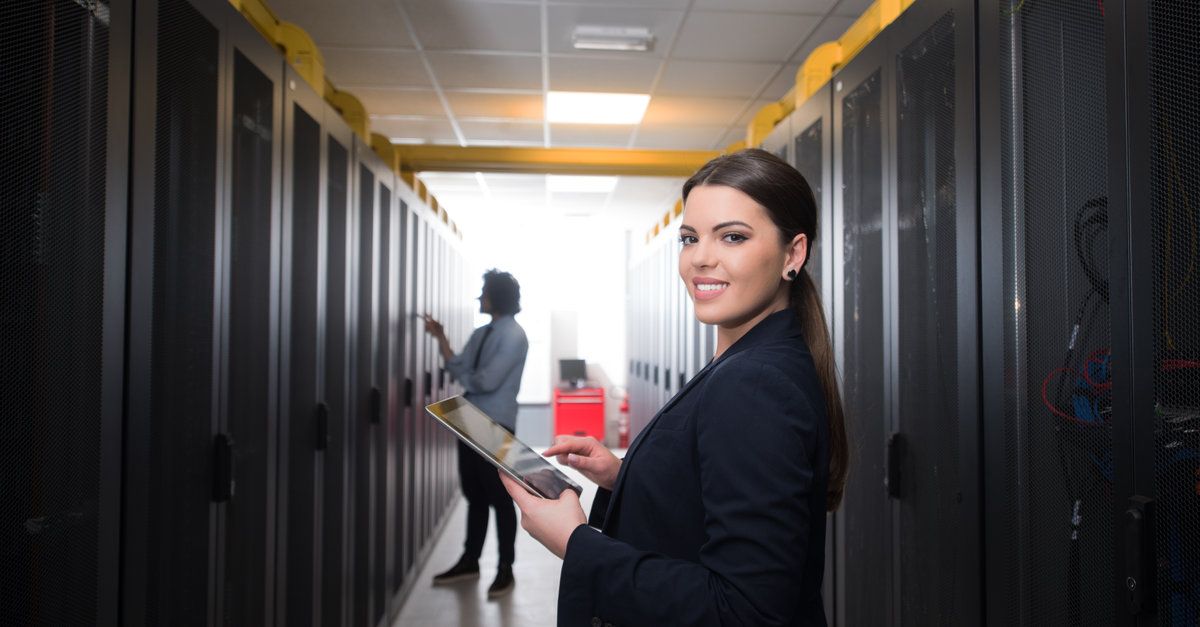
pixel 138 392
pixel 297 93
pixel 871 59
pixel 241 37
pixel 908 26
pixel 1130 205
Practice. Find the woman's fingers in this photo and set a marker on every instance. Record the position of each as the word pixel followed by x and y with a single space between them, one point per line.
pixel 516 491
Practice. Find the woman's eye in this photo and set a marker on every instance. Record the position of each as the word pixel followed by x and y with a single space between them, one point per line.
pixel 687 239
pixel 734 238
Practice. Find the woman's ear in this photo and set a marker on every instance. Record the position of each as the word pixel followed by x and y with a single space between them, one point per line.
pixel 797 253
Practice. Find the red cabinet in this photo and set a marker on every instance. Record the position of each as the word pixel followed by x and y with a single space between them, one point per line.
pixel 579 412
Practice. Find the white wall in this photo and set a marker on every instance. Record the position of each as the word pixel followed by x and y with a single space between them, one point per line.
pixel 564 265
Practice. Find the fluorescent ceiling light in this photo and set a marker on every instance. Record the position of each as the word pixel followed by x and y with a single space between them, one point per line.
pixel 580 184
pixel 636 39
pixel 580 107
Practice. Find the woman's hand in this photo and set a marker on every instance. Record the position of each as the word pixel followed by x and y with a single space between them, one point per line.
pixel 433 327
pixel 587 456
pixel 549 521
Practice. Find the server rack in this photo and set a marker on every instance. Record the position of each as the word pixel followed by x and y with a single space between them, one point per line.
pixel 778 141
pixel 1052 542
pixel 336 463
pixel 303 407
pixel 934 360
pixel 866 577
pixel 63 195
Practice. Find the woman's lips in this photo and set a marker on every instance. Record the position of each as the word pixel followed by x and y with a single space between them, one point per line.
pixel 708 290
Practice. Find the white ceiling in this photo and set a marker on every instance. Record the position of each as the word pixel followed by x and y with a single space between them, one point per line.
pixel 475 72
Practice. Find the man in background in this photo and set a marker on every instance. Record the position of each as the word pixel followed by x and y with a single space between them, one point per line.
pixel 489 368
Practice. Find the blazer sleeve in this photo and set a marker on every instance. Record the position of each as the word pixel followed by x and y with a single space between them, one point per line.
pixel 756 439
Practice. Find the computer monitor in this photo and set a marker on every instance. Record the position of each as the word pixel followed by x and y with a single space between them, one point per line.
pixel 572 370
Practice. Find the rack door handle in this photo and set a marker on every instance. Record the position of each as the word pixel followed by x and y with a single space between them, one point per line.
pixel 224 484
pixel 322 426
pixel 1139 555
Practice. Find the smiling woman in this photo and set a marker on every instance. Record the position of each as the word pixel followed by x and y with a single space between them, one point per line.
pixel 716 515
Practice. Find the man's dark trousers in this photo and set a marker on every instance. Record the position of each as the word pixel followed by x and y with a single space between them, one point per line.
pixel 481 485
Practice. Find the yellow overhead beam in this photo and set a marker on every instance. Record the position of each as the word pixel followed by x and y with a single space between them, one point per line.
pixel 596 161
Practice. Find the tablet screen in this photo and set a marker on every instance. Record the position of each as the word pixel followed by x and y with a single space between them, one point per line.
pixel 495 443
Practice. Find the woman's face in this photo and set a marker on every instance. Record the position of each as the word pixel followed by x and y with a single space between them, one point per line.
pixel 731 259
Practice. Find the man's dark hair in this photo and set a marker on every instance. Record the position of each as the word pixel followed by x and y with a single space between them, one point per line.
pixel 503 291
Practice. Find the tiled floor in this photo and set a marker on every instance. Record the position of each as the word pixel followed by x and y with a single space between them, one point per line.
pixel 531 603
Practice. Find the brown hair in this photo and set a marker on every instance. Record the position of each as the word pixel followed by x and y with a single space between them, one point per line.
pixel 789 200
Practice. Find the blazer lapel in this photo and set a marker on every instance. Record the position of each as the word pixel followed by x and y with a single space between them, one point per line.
pixel 780 324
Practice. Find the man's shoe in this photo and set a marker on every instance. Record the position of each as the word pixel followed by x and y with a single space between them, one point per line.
pixel 503 584
pixel 465 569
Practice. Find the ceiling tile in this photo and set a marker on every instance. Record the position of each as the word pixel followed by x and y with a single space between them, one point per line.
pixel 428 131
pixel 456 71
pixel 655 4
pixel 523 106
pixel 676 110
pixel 829 30
pixel 678 137
pixel 783 82
pixel 562 21
pixel 375 68
pixel 524 132
pixel 811 7
pixel 454 25
pixel 851 8
pixel 363 23
pixel 384 101
pixel 742 36
pixel 576 73
pixel 598 135
pixel 735 134
pixel 714 78
pixel 752 111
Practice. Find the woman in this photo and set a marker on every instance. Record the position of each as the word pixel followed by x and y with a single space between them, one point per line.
pixel 716 516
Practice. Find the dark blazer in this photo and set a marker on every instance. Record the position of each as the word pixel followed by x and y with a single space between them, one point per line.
pixel 718 514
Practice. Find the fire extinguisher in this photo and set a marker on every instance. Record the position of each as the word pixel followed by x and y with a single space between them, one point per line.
pixel 623 423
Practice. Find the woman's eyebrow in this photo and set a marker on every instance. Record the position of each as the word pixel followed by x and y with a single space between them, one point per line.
pixel 684 227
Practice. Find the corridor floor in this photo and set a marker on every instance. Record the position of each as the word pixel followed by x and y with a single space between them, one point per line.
pixel 532 602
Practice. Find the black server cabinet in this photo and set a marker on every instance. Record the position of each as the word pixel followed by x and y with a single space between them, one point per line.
pixel 931 261
pixel 63 199
pixel 385 419
pixel 812 155
pixel 399 414
pixel 413 412
pixel 338 306
pixel 865 577
pixel 811 127
pixel 171 446
pixel 304 413
pixel 1046 316
pixel 1156 347
pixel 369 443
pixel 249 323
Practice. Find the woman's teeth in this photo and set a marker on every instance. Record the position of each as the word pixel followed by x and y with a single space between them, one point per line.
pixel 711 287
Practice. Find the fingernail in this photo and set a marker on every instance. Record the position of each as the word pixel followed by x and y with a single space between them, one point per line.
pixel 572 458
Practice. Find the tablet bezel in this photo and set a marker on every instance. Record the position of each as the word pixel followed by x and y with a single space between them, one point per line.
pixel 469 441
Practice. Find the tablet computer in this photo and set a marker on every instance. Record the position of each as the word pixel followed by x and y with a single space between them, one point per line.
pixel 500 447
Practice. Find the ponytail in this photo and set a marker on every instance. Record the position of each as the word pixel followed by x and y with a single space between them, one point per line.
pixel 806 300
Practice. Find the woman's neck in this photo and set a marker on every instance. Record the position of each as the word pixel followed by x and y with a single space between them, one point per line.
pixel 728 335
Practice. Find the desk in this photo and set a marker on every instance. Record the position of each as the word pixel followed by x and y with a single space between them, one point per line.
pixel 579 412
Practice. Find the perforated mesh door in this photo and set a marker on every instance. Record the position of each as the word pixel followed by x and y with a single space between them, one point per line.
pixel 810 161
pixel 250 326
pixel 403 434
pixel 1175 172
pixel 362 425
pixel 382 374
pixel 52 208
pixel 927 394
pixel 304 395
pixel 333 529
pixel 1058 441
pixel 185 162
pixel 868 534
